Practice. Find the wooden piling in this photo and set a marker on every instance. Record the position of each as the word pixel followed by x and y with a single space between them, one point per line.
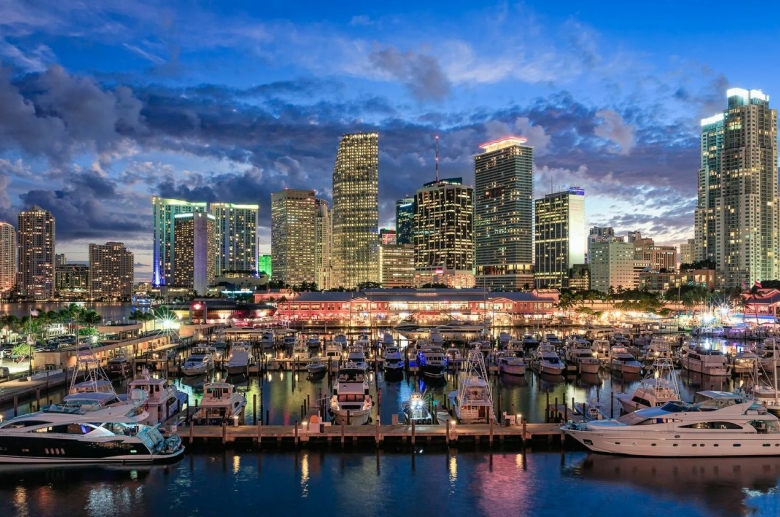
pixel 224 433
pixel 447 440
pixel 259 434
pixel 490 439
pixel 413 433
pixel 16 405
pixel 254 407
pixel 192 424
pixel 296 434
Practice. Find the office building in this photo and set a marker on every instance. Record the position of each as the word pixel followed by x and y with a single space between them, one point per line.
pixel 404 220
pixel 72 280
pixel 709 189
pixel 323 241
pixel 396 265
pixel 560 239
pixel 388 236
pixel 503 214
pixel 687 250
pixel 599 234
pixel 236 227
pixel 293 216
pixel 660 258
pixel 194 251
pixel 111 271
pixel 35 248
pixel 163 213
pixel 7 259
pixel 612 265
pixel 356 211
pixel 59 260
pixel 444 234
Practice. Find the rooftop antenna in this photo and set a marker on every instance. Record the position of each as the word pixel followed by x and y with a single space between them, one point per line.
pixel 437 158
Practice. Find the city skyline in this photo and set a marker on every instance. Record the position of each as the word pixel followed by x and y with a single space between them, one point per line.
pixel 608 98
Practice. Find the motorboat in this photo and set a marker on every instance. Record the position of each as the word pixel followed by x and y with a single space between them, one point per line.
pixel 288 340
pixel 655 390
pixel 435 338
pixel 579 353
pixel 114 434
pixel 529 341
pixel 515 344
pixel 118 366
pixel 161 399
pixel 220 403
pixel 363 341
pixel 200 361
pixel 387 340
pixel 552 339
pixel 622 361
pixel 619 339
pixel 744 363
pixel 657 349
pixel 300 352
pixel 313 342
pixel 351 402
pixel 333 353
pixel 718 423
pixel 601 349
pixel 705 361
pixel 511 364
pixel 432 361
pixel 393 360
pixel 546 360
pixel 472 403
pixel 267 340
pixel 316 367
pixel 357 356
pixel 503 340
pixel 341 340
pixel 239 359
pixel 417 410
pixel 453 356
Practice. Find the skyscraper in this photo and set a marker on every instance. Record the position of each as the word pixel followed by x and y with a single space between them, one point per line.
pixel 503 208
pixel 163 213
pixel 388 236
pixel 236 227
pixel 444 234
pixel 404 220
pixel 194 250
pixel 356 210
pixel 612 265
pixel 396 265
pixel 738 179
pixel 323 231
pixel 111 271
pixel 265 265
pixel 560 236
pixel 35 242
pixel 293 245
pixel 7 258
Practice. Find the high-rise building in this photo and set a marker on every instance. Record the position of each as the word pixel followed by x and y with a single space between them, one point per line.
pixel 599 234
pixel 264 265
pixel 7 258
pixel 163 214
pixel 388 236
pixel 612 265
pixel 59 260
pixel 737 216
pixel 503 214
pixel 72 280
pixel 396 263
pixel 404 220
pixel 323 233
pixel 35 244
pixel 236 227
pixel 293 228
pixel 356 211
pixel 560 238
pixel 444 234
pixel 687 252
pixel 111 271
pixel 194 250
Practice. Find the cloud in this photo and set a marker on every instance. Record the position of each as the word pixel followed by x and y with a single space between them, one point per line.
pixel 614 129
pixel 361 20
pixel 36 59
pixel 144 54
pixel 421 74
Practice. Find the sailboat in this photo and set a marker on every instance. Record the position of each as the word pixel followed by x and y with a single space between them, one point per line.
pixel 763 393
pixel 473 400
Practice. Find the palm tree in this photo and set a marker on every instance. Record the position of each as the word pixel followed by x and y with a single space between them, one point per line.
pixel 91 318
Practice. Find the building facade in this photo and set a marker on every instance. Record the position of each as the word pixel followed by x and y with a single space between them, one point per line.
pixel 404 220
pixel 35 248
pixel 293 229
pixel 195 248
pixel 503 214
pixel 111 271
pixel 388 236
pixel 560 239
pixel 265 265
pixel 611 265
pixel 396 265
pixel 7 259
pixel 236 227
pixel 444 234
pixel 323 242
pixel 356 211
pixel 72 280
pixel 164 212
pixel 687 252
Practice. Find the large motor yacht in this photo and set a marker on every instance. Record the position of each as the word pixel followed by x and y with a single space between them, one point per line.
pixel 393 360
pixel 547 361
pixel 239 359
pixel 705 361
pixel 351 402
pixel 432 361
pixel 722 424
pixel 357 357
pixel 510 363
pixel 160 398
pixel 220 402
pixel 200 361
pixel 579 354
pixel 622 361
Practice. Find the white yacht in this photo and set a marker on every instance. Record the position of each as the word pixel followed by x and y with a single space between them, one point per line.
pixel 288 340
pixel 432 361
pixel 220 402
pixel 601 348
pixel 511 364
pixel 705 361
pixel 547 361
pixel 655 390
pixel 300 352
pixel 622 361
pixel 200 361
pixel 357 357
pixel 333 354
pixel 267 340
pixel 351 402
pixel 316 367
pixel 657 349
pixel 552 339
pixel 393 360
pixel 341 340
pixel 363 341
pixel 313 342
pixel 473 400
pixel 503 340
pixel 239 359
pixel 529 341
pixel 722 424
pixel 579 354
pixel 744 363
pixel 161 399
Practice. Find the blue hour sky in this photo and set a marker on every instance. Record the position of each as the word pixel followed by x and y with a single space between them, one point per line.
pixel 104 104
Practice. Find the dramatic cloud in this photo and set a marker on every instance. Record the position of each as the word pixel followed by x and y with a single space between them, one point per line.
pixel 613 128
pixel 421 74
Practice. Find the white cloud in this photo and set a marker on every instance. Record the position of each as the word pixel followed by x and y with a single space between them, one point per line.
pixel 613 128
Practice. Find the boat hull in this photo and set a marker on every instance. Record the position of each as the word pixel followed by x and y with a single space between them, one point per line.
pixel 550 369
pixel 621 367
pixel 237 369
pixel 191 371
pixel 435 372
pixel 508 369
pixel 355 416
pixel 589 367
pixel 46 450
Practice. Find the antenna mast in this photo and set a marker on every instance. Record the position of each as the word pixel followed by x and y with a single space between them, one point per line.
pixel 437 158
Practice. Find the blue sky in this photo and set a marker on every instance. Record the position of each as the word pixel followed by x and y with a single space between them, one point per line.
pixel 103 105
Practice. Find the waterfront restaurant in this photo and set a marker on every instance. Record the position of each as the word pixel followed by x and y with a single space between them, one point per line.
pixel 387 307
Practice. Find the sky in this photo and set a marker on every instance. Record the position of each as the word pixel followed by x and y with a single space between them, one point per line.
pixel 105 104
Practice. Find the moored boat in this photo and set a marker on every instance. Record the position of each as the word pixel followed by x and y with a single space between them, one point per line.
pixel 220 403
pixel 351 402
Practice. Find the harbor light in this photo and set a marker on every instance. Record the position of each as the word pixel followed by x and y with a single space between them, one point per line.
pixel 518 418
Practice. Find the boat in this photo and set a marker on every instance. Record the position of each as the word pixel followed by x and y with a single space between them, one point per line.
pixel 529 341
pixel 622 361
pixel 351 402
pixel 357 357
pixel 503 340
pixel 341 340
pixel 363 341
pixel 387 340
pixel 220 403
pixel 601 348
pixel 552 339
pixel 239 359
pixel 619 339
pixel 417 409
pixel 313 342
pixel 288 340
pixel 472 403
pixel 432 361
pixel 744 363
pixel 705 361
pixel 658 348
pixel 655 390
pixel 718 423
pixel 511 364
pixel 114 434
pixel 267 340
pixel 300 351
pixel 393 362
pixel 161 399
pixel 546 360
pixel 435 338
pixel 453 356
pixel 200 361
pixel 118 366
pixel 579 353
pixel 333 353
pixel 316 367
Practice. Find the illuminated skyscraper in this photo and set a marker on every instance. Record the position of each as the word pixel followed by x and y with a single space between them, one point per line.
pixel 444 234
pixel 7 258
pixel 236 227
pixel 293 222
pixel 560 236
pixel 396 265
pixel 503 209
pixel 323 231
pixel 388 236
pixel 709 191
pixel 404 220
pixel 111 271
pixel 356 211
pixel 163 213
pixel 35 240
pixel 265 265
pixel 195 246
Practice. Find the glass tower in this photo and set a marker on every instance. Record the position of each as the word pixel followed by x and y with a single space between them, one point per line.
pixel 560 239
pixel 7 258
pixel 163 213
pixel 35 240
pixel 293 221
pixel 236 227
pixel 404 220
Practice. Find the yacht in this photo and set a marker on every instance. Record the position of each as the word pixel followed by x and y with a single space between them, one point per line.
pixel 393 360
pixel 472 403
pixel 705 361
pixel 620 340
pixel 118 366
pixel 432 361
pixel 416 410
pixel 622 361
pixel 657 349
pixel 200 361
pixel 357 357
pixel 239 359
pixel 722 424
pixel 341 340
pixel 316 367
pixel 547 361
pixel 387 340
pixel 300 352
pixel 511 364
pixel 220 403
pixel 267 340
pixel 313 342
pixel 363 341
pixel 744 363
pixel 114 434
pixel 503 340
pixel 351 402
pixel 600 348
pixel 453 356
pixel 161 400
pixel 333 354
pixel 288 340
pixel 435 338
pixel 579 354
pixel 529 341
pixel 655 390
pixel 552 339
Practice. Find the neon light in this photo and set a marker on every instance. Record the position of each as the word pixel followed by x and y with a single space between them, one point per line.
pixel 501 143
